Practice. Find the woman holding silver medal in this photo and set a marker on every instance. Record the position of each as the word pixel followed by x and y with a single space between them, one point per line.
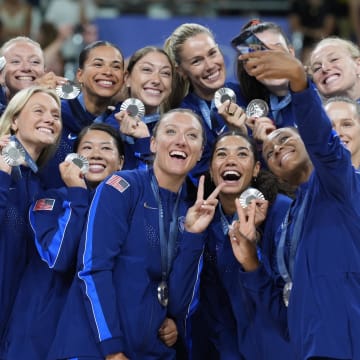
pixel 148 85
pixel 229 324
pixel 139 254
pixel 200 85
pixel 101 77
pixel 57 218
pixel 317 250
pixel 30 130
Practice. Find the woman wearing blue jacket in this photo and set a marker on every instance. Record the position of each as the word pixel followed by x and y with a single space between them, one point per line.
pixel 29 133
pixel 57 218
pixel 139 257
pixel 237 328
pixel 317 246
pixel 201 72
pixel 101 77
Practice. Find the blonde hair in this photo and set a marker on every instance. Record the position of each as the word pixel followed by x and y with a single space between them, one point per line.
pixel 351 47
pixel 20 39
pixel 14 108
pixel 173 46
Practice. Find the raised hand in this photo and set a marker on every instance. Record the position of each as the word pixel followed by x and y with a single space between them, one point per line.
pixel 199 216
pixel 243 233
pixel 132 125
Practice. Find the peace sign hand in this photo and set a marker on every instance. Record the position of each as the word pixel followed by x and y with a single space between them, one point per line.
pixel 242 233
pixel 199 216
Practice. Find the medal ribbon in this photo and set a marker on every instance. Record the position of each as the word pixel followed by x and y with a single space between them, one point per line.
pixel 276 107
pixel 287 272
pixel 167 243
pixel 16 171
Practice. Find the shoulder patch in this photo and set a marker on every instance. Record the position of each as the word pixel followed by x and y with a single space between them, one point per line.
pixel 44 204
pixel 119 183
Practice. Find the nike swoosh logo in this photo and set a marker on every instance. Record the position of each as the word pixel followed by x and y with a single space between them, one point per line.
pixel 72 136
pixel 146 206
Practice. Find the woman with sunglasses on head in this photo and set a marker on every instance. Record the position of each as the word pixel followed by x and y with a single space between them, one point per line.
pixel 29 133
pixel 101 77
pixel 318 251
pixel 57 218
pixel 139 256
pixel 200 73
pixel 228 318
pixel 148 78
pixel 275 92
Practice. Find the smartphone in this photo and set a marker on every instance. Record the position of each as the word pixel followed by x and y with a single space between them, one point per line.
pixel 247 42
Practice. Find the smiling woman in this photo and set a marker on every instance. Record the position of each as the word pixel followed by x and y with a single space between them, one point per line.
pixel 51 266
pixel 226 311
pixel 29 132
pixel 100 75
pixel 139 254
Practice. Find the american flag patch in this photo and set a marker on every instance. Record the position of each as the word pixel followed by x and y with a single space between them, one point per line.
pixel 44 204
pixel 118 183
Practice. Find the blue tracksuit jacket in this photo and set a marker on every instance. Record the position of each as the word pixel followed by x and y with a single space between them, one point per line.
pixel 238 328
pixel 119 271
pixel 57 218
pixel 15 238
pixel 323 317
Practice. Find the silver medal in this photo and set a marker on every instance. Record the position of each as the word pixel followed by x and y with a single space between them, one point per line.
pixel 286 293
pixel 134 107
pixel 13 153
pixel 68 90
pixel 248 195
pixel 222 95
pixel 163 293
pixel 81 161
pixel 257 108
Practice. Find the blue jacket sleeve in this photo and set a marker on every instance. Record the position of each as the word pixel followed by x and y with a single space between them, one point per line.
pixel 5 181
pixel 106 231
pixel 330 158
pixel 57 220
pixel 266 291
pixel 185 274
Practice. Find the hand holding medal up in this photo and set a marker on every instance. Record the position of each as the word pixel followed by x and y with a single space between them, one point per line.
pixel 251 209
pixel 13 154
pixel 131 112
pixel 233 114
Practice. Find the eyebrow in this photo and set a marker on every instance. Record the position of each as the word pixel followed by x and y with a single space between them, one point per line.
pixel 238 148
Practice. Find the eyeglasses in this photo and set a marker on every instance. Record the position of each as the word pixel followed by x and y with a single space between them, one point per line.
pixel 247 42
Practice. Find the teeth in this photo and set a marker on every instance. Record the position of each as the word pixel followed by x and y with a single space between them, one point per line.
pixel 231 175
pixel 213 76
pixel 178 154
pixel 231 172
pixel 331 79
pixel 153 91
pixel 96 167
pixel 45 130
pixel 27 78
pixel 105 82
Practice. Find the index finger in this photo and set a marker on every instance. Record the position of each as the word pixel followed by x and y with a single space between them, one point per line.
pixel 216 192
pixel 200 192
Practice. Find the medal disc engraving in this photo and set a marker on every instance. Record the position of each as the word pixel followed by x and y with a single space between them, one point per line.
pixel 257 108
pixel 286 293
pixel 68 90
pixel 222 95
pixel 13 153
pixel 134 107
pixel 81 161
pixel 163 293
pixel 248 195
